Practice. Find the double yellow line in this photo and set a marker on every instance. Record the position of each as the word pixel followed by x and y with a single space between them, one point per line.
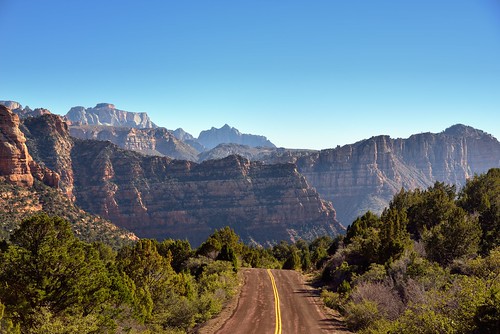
pixel 276 303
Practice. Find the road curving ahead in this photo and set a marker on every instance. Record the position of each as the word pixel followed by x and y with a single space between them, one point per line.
pixel 278 301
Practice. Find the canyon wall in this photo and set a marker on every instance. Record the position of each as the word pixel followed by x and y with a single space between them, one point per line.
pixel 159 197
pixel 365 175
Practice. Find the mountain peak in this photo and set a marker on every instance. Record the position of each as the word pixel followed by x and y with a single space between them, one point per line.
pixel 463 130
pixel 108 114
pixel 227 134
pixel 105 105
pixel 11 104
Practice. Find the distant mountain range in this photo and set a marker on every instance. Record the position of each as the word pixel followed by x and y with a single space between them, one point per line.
pixel 355 178
pixel 105 114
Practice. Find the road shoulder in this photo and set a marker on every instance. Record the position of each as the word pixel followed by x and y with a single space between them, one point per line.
pixel 216 323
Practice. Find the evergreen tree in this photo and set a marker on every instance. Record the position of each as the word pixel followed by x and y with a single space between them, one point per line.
pixel 46 268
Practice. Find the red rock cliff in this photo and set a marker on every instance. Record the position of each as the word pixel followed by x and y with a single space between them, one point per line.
pixel 159 197
pixel 16 164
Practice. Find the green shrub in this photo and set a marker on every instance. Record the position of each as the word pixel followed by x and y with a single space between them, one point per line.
pixel 333 300
pixel 361 315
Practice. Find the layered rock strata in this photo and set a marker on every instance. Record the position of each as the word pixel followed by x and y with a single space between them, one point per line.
pixel 49 142
pixel 108 114
pixel 16 164
pixel 158 197
pixel 366 175
pixel 157 141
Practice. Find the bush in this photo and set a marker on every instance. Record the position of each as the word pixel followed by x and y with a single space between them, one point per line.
pixel 388 303
pixel 361 315
pixel 333 300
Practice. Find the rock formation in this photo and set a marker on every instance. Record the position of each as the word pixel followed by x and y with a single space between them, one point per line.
pixel 25 112
pixel 213 137
pixel 157 141
pixel 107 114
pixel 365 175
pixel 49 142
pixel 158 197
pixel 20 202
pixel 16 164
pixel 189 139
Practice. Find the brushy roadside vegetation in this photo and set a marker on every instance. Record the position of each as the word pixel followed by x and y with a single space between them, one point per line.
pixel 430 263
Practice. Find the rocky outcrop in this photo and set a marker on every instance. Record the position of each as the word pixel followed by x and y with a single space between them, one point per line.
pixel 12 105
pixel 50 144
pixel 365 175
pixel 16 164
pixel 158 197
pixel 188 139
pixel 25 112
pixel 21 192
pixel 223 150
pixel 213 137
pixel 20 202
pixel 157 141
pixel 107 114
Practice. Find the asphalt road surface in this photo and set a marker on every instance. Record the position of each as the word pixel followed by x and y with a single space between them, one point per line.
pixel 279 302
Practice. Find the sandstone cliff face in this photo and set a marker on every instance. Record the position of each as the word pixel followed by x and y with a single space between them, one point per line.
pixel 107 114
pixel 50 144
pixel 213 137
pixel 158 197
pixel 365 175
pixel 158 141
pixel 16 164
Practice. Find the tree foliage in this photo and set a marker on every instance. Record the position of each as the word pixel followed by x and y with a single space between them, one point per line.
pixel 429 264
pixel 51 282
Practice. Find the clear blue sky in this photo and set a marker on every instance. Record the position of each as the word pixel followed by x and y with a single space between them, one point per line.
pixel 306 74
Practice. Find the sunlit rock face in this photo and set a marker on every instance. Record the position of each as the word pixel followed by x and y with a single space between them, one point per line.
pixel 366 175
pixel 49 142
pixel 25 112
pixel 16 164
pixel 159 197
pixel 108 114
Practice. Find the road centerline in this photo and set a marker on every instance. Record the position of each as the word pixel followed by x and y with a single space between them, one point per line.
pixel 276 303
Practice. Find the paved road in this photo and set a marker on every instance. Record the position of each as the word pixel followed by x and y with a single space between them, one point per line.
pixel 297 311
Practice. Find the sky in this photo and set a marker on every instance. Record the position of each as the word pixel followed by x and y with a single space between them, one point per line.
pixel 306 74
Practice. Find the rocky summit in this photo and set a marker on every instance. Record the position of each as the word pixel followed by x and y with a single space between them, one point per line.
pixel 213 137
pixel 108 114
pixel 25 112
